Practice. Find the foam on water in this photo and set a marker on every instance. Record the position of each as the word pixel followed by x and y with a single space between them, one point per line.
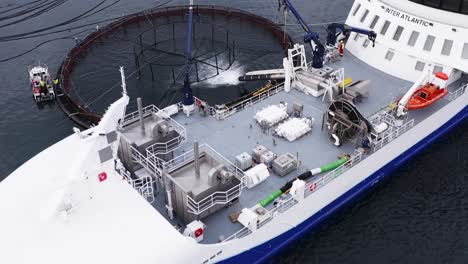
pixel 228 77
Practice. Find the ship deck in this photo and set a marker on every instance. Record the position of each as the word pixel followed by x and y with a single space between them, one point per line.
pixel 240 133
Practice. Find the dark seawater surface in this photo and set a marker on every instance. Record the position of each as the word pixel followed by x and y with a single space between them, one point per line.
pixel 419 216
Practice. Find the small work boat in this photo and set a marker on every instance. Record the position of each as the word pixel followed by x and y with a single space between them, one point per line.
pixel 41 83
pixel 429 93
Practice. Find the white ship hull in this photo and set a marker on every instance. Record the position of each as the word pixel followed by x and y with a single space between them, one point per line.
pixel 114 224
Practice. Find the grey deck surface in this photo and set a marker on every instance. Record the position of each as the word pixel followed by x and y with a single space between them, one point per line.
pixel 234 135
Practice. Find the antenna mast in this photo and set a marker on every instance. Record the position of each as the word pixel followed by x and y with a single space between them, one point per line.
pixel 124 84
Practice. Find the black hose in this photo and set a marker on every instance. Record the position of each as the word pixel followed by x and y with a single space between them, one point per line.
pixel 304 176
pixel 20 6
pixel 45 9
pixel 12 37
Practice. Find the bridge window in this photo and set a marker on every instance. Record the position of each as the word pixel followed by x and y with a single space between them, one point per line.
pixel 365 43
pixel 389 55
pixel 364 15
pixel 413 38
pixel 385 27
pixel 374 22
pixel 465 52
pixel 398 32
pixel 356 9
pixel 419 66
pixel 437 69
pixel 447 48
pixel 356 36
pixel 429 43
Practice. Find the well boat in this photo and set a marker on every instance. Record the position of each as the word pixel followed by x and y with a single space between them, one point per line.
pixel 236 183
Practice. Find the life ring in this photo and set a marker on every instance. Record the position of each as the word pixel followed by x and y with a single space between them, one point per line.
pixel 313 186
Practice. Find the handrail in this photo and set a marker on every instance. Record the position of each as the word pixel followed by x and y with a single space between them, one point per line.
pixel 146 163
pixel 144 186
pixel 159 148
pixel 318 182
pixel 214 199
pixel 457 93
pixel 311 187
pixel 198 207
pixel 204 148
pixel 221 112
pixel 392 134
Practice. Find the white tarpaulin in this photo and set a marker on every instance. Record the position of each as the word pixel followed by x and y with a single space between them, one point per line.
pixel 294 128
pixel 272 114
pixel 256 175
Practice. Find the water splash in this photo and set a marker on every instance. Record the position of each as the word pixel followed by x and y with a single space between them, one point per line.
pixel 228 77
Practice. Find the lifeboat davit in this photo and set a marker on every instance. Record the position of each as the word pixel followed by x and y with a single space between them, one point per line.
pixel 428 93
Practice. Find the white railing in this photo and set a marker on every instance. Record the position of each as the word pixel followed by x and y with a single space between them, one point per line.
pixel 282 207
pixel 135 116
pixel 318 182
pixel 189 156
pixel 457 93
pixel 148 110
pixel 214 199
pixel 151 162
pixel 221 112
pixel 391 135
pixel 382 116
pixel 144 186
pixel 198 207
pixel 311 186
pixel 151 165
pixel 241 233
pixel 165 147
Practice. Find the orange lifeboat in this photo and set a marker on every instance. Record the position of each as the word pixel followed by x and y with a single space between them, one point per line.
pixel 428 93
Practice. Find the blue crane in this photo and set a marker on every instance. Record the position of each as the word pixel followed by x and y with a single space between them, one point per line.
pixel 311 37
pixel 345 30
pixel 188 96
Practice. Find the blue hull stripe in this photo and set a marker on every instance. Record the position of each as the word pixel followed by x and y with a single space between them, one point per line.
pixel 268 249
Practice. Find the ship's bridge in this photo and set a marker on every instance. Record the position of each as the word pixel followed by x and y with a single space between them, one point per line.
pixel 411 38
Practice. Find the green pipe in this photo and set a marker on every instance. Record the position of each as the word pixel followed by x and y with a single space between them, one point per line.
pixel 303 176
pixel 270 198
pixel 333 165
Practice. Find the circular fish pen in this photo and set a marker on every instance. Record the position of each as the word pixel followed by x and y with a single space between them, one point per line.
pixel 227 42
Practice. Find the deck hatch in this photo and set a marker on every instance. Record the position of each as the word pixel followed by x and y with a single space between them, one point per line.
pixel 111 137
pixel 105 154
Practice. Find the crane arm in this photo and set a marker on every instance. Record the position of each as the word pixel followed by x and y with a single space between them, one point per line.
pixel 188 97
pixel 311 37
pixel 345 30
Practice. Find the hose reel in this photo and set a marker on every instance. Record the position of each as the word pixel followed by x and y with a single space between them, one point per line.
pixel 344 122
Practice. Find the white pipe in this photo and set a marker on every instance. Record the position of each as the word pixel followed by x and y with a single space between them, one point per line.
pixel 196 159
pixel 287 74
pixel 170 209
pixel 337 140
pixel 122 76
pixel 140 114
pixel 316 171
